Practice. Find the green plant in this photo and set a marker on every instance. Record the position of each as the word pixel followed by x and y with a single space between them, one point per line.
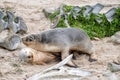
pixel 101 29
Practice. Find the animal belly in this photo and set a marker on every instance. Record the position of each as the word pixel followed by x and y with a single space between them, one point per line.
pixel 49 48
pixel 80 47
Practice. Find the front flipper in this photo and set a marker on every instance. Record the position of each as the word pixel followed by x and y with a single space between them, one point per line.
pixel 64 54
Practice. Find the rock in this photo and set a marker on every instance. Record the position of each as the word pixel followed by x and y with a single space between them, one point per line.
pixel 116 38
pixel 9 42
pixel 113 67
pixel 110 15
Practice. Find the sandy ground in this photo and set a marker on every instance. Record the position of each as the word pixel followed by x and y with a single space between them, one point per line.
pixel 31 11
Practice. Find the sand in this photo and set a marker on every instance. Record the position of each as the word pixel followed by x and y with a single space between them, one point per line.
pixel 31 11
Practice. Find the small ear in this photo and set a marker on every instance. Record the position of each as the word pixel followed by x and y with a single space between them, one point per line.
pixel 34 36
pixel 31 57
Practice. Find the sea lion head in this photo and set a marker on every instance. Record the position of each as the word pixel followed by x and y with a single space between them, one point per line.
pixel 29 40
pixel 26 55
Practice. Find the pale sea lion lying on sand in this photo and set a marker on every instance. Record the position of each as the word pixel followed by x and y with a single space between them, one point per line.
pixel 60 40
pixel 36 57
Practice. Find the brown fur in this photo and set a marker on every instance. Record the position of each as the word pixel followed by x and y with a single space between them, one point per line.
pixel 42 58
pixel 37 57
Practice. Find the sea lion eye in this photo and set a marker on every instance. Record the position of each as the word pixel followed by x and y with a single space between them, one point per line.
pixel 29 56
pixel 29 39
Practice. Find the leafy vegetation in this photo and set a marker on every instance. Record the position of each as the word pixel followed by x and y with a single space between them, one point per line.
pixel 101 29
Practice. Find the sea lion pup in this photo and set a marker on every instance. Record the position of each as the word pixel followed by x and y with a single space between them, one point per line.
pixel 60 40
pixel 36 57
